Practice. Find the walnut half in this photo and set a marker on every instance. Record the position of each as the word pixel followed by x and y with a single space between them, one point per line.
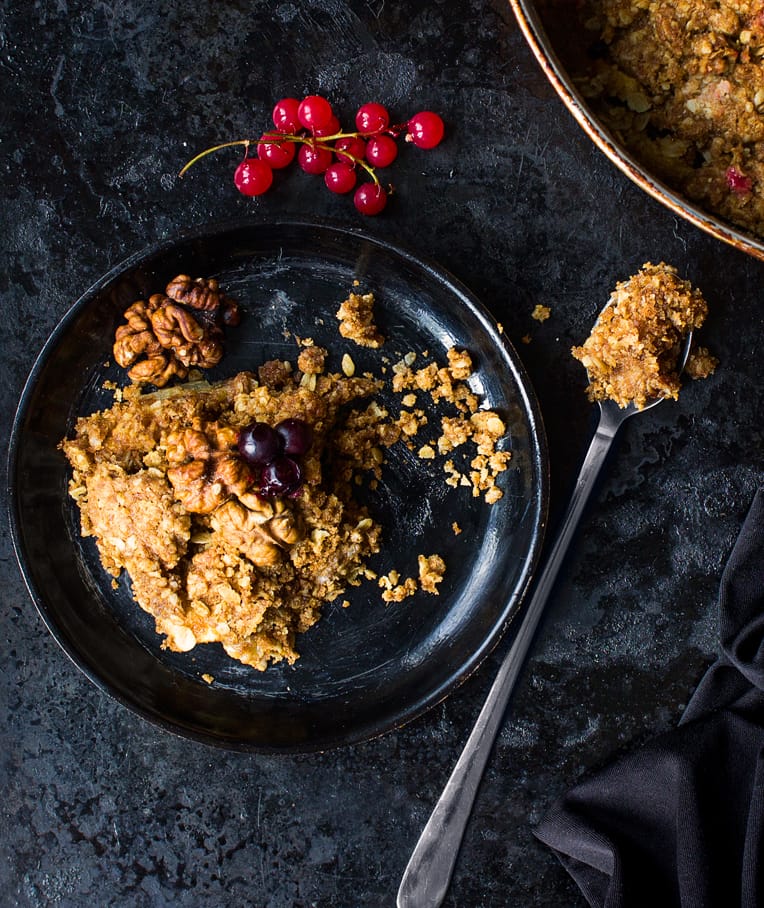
pixel 205 470
pixel 260 534
pixel 166 335
pixel 203 294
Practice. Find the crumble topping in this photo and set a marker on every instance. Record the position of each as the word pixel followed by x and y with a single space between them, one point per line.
pixel 431 571
pixel 215 562
pixel 632 353
pixel 701 363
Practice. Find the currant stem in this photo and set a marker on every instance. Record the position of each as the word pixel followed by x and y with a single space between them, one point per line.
pixel 203 154
pixel 323 142
pixel 276 137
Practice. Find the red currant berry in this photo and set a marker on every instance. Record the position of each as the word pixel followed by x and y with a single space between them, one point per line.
pixel 315 112
pixel 314 159
pixel 253 177
pixel 296 435
pixel 276 154
pixel 425 129
pixel 285 115
pixel 737 181
pixel 340 177
pixel 280 477
pixel 353 145
pixel 371 118
pixel 370 198
pixel 331 128
pixel 381 151
pixel 259 444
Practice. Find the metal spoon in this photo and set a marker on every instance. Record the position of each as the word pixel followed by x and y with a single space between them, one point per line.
pixel 428 872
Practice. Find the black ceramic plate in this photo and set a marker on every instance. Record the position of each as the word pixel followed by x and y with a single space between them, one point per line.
pixel 363 669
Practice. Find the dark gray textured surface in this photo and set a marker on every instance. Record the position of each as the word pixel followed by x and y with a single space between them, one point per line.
pixel 101 105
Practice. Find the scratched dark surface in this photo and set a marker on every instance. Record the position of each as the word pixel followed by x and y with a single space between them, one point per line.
pixel 102 103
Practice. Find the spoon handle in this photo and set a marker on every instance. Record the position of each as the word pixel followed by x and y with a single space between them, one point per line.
pixel 428 873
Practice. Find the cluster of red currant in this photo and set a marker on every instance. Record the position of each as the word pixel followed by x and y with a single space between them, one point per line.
pixel 324 148
pixel 275 453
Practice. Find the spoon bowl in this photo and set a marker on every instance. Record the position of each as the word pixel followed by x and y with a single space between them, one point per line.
pixel 612 416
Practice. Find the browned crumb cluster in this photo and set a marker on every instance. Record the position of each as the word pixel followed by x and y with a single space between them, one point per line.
pixel 540 312
pixel 356 318
pixel 393 590
pixel 632 353
pixel 312 359
pixel 431 571
pixel 682 84
pixel 469 429
pixel 700 363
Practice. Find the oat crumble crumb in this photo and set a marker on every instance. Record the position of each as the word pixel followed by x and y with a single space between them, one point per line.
pixel 459 363
pixel 312 359
pixel 356 318
pixel 393 591
pixel 431 571
pixel 411 421
pixel 389 580
pixel 701 363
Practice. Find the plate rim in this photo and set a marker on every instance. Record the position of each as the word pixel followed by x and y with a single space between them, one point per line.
pixel 541 468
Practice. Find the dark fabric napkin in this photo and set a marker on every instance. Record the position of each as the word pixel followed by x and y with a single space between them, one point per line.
pixel 681 821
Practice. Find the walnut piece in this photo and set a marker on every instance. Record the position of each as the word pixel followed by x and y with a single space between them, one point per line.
pixel 260 534
pixel 205 470
pixel 157 370
pixel 191 343
pixel 203 294
pixel 171 332
pixel 136 337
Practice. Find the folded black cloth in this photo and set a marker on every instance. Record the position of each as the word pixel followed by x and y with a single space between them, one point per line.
pixel 681 821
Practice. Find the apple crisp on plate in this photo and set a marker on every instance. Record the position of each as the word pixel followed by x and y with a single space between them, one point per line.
pixel 225 533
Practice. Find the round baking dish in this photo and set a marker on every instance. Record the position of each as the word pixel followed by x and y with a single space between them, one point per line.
pixel 542 46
